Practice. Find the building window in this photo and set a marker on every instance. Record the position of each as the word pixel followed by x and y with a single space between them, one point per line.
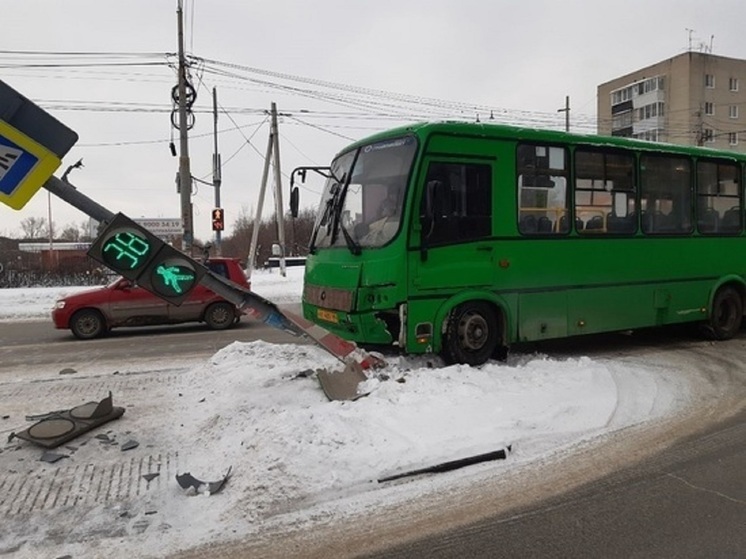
pixel 708 135
pixel 733 84
pixel 649 135
pixel 733 138
pixel 621 120
pixel 733 111
pixel 709 81
pixel 709 108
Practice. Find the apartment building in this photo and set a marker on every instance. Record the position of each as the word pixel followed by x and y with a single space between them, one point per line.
pixel 695 98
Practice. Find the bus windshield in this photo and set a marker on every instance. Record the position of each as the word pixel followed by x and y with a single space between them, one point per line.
pixel 362 202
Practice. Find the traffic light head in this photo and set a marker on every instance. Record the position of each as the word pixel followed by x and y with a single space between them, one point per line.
pixel 218 219
pixel 132 251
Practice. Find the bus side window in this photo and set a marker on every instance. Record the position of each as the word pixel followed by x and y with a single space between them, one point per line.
pixel 542 189
pixel 666 194
pixel 605 191
pixel 457 203
pixel 718 197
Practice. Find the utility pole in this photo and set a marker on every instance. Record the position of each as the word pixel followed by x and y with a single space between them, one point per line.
pixel 185 173
pixel 279 212
pixel 566 110
pixel 216 167
pixel 51 229
pixel 272 157
pixel 260 205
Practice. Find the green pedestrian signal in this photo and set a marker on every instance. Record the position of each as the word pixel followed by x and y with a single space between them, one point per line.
pixel 171 275
pixel 174 277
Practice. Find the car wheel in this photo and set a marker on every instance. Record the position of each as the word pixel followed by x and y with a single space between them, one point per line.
pixel 220 316
pixel 88 324
pixel 471 334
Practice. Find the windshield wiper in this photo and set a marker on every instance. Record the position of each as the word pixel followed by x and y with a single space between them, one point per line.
pixel 337 224
pixel 325 217
pixel 351 243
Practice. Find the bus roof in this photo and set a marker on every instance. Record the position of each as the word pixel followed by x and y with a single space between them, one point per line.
pixel 503 131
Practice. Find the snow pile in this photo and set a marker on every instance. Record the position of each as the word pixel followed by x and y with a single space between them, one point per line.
pixel 295 456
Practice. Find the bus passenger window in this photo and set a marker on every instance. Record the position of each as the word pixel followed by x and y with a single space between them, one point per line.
pixel 542 190
pixel 605 191
pixel 666 195
pixel 461 202
pixel 719 204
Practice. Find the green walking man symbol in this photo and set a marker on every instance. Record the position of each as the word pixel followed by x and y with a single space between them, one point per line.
pixel 171 278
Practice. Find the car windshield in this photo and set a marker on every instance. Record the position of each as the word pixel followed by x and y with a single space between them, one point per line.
pixel 362 202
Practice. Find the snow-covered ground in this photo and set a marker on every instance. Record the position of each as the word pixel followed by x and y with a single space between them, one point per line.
pixel 297 459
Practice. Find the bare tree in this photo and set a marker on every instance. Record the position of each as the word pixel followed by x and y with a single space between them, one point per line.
pixel 87 232
pixel 71 232
pixel 237 244
pixel 34 227
pixel 301 228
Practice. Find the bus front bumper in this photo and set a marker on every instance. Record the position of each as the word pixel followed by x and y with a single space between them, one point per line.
pixel 362 328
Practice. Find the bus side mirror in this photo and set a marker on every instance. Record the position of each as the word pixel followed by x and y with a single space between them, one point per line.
pixel 294 201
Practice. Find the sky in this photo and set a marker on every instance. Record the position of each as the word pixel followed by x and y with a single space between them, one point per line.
pixel 300 463
pixel 337 70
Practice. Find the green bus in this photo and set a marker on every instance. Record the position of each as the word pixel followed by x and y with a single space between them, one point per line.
pixel 462 238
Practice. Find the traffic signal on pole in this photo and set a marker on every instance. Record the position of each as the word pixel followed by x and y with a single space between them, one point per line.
pixel 218 219
pixel 132 251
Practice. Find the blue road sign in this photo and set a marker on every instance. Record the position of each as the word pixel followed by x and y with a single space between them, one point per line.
pixel 32 145
pixel 24 166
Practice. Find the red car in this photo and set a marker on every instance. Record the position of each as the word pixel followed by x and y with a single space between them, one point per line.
pixel 92 313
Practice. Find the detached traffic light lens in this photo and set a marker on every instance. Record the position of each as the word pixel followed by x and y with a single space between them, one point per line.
pixel 125 250
pixel 173 277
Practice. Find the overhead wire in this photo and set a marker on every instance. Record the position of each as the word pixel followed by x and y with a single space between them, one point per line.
pixel 356 104
pixel 372 104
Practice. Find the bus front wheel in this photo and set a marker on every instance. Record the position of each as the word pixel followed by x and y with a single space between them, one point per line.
pixel 726 315
pixel 471 334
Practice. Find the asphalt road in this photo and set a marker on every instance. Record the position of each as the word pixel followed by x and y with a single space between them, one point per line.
pixel 686 502
pixel 27 346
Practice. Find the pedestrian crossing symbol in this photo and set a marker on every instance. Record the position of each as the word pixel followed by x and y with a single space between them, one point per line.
pixel 9 156
pixel 25 165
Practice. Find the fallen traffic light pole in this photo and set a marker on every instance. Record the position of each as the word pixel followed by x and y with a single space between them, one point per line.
pixel 32 145
pixel 132 251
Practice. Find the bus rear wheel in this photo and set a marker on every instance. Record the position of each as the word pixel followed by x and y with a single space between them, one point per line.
pixel 471 334
pixel 726 315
